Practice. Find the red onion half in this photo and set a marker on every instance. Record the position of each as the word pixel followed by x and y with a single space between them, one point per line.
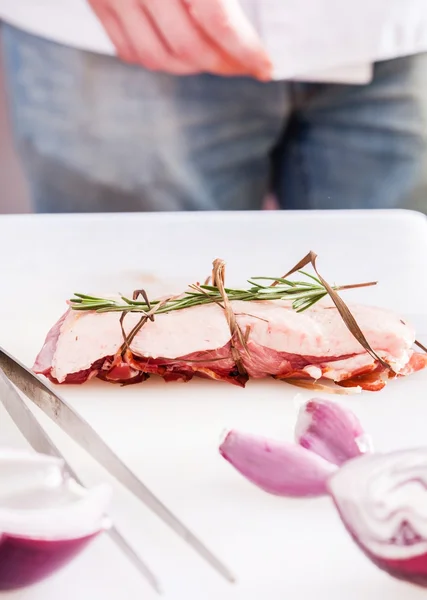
pixel 46 518
pixel 382 501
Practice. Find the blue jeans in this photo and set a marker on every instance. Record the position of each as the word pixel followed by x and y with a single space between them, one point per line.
pixel 95 134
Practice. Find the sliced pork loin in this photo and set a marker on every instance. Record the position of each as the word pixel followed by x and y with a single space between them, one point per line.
pixel 281 343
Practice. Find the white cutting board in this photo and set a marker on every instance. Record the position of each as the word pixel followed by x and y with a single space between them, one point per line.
pixel 169 433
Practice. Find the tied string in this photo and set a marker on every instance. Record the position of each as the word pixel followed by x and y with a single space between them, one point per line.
pixel 342 308
pixel 218 280
pixel 146 315
pixel 420 345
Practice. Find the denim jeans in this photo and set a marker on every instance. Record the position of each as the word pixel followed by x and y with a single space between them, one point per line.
pixel 95 134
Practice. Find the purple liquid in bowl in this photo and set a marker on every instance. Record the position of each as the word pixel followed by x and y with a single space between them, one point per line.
pixel 46 518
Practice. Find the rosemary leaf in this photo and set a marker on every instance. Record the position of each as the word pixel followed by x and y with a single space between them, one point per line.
pixel 311 276
pixel 278 279
pixel 89 298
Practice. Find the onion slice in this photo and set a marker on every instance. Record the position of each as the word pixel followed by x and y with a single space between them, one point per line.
pixel 331 431
pixel 280 468
pixel 46 517
pixel 382 502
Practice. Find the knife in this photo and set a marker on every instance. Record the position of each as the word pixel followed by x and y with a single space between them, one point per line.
pixel 61 413
pixel 39 440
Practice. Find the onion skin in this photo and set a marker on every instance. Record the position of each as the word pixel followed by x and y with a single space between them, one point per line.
pixel 279 468
pixel 24 561
pixel 412 570
pixel 329 430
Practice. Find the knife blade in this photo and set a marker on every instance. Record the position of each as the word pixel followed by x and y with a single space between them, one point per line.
pixel 61 413
pixel 39 440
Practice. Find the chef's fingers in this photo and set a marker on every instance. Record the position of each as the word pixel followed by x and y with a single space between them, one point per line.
pixel 226 24
pixel 113 28
pixel 151 48
pixel 135 37
pixel 187 42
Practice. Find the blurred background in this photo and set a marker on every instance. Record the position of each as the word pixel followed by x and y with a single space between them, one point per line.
pixel 13 192
pixel 13 189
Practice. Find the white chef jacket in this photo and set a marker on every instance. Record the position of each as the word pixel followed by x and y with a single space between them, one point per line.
pixel 314 40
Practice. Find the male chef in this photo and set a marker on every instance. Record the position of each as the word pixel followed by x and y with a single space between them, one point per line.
pixel 165 105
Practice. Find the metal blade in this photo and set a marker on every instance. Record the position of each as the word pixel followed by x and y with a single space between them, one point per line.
pixel 39 440
pixel 82 433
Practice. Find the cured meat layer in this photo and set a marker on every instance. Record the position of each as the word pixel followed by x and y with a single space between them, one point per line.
pixel 281 343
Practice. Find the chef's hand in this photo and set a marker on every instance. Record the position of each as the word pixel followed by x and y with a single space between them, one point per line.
pixel 184 36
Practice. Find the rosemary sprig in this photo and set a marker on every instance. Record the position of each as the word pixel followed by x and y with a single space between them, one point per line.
pixel 303 294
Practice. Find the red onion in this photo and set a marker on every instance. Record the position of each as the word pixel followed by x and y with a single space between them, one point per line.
pixel 46 518
pixel 382 501
pixel 330 430
pixel 280 468
pixel 381 498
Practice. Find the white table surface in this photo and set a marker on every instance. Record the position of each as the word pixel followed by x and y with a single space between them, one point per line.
pixel 169 433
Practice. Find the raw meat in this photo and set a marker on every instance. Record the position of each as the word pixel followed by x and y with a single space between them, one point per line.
pixel 282 343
